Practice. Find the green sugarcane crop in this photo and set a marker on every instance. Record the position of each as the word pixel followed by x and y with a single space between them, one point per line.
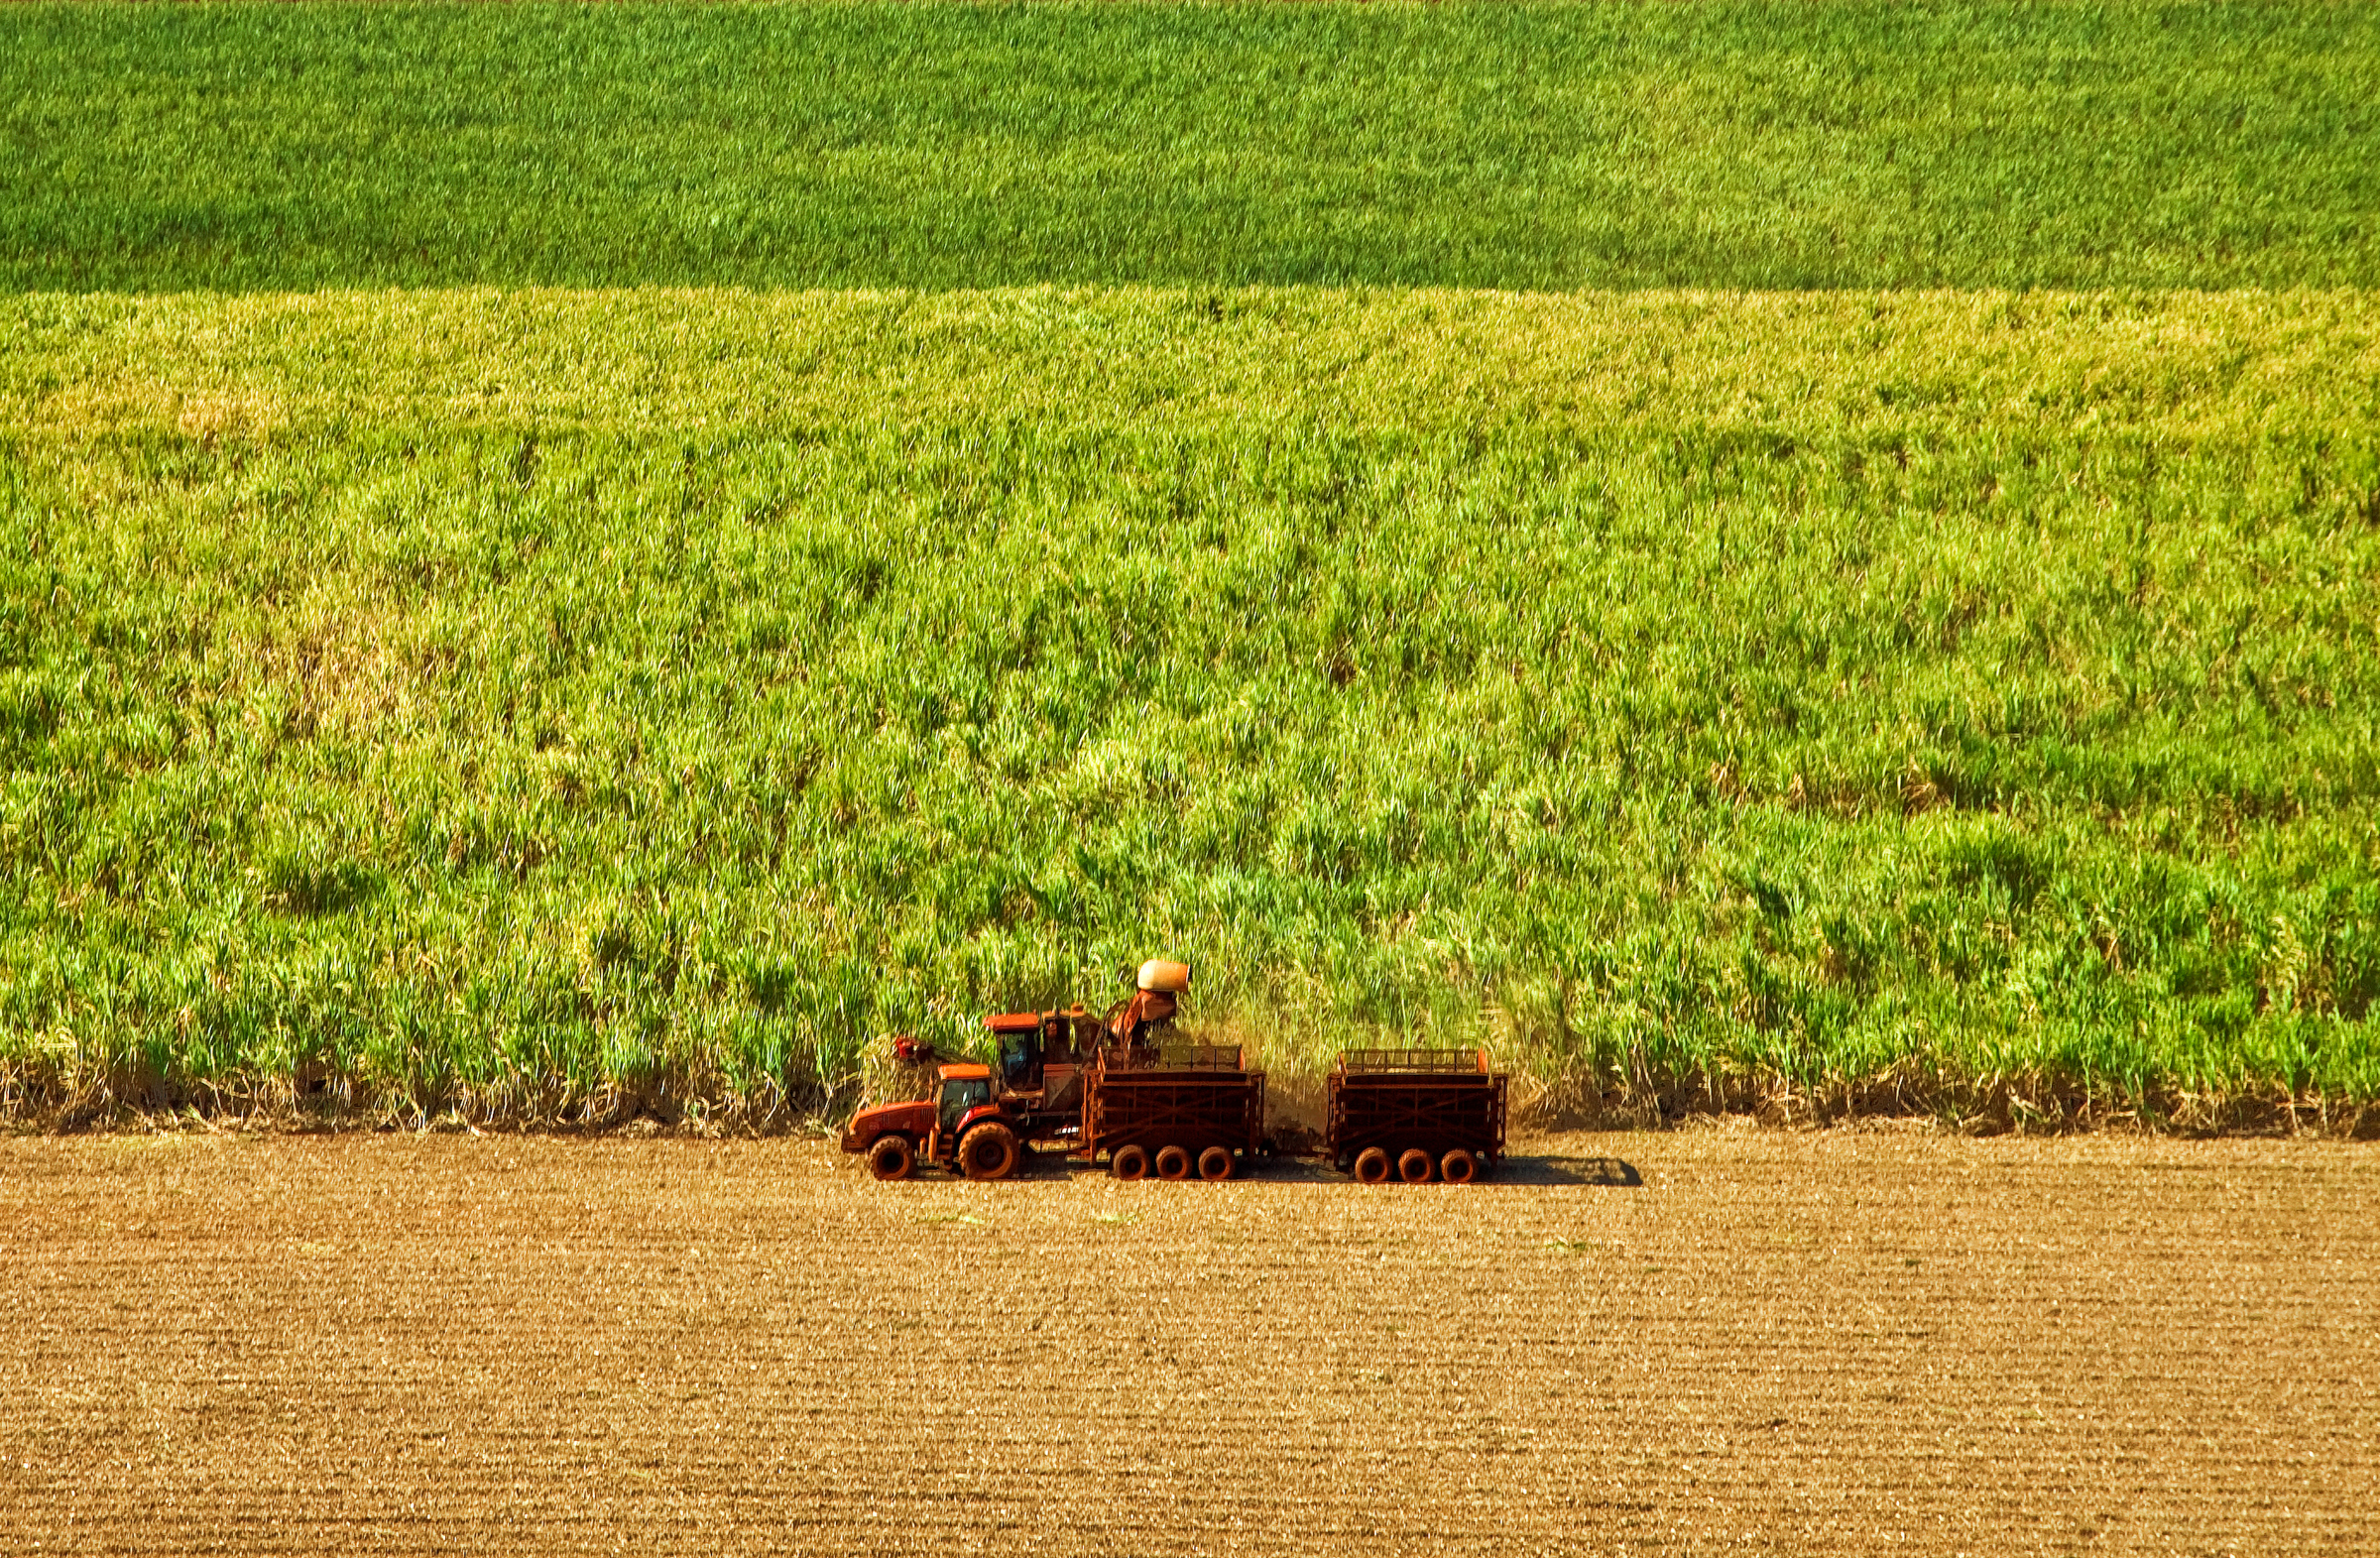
pixel 513 696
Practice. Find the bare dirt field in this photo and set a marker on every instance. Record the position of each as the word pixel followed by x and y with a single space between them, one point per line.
pixel 1696 1342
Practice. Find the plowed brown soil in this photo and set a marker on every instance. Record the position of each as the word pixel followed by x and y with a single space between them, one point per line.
pixel 1844 1342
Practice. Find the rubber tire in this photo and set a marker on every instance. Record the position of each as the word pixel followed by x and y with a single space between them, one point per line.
pixel 1173 1162
pixel 893 1156
pixel 1215 1165
pixel 1458 1168
pixel 989 1151
pixel 1372 1166
pixel 1128 1161
pixel 1416 1168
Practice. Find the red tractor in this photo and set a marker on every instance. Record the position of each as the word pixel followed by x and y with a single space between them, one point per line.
pixel 967 1128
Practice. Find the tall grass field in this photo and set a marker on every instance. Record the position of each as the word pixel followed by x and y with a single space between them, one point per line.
pixel 506 697
pixel 561 563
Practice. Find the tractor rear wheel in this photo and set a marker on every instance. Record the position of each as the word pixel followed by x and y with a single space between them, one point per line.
pixel 1173 1162
pixel 1128 1161
pixel 1215 1163
pixel 1371 1166
pixel 989 1151
pixel 1459 1168
pixel 1415 1166
pixel 893 1156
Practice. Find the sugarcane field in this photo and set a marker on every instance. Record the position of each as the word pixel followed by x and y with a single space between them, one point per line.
pixel 1133 777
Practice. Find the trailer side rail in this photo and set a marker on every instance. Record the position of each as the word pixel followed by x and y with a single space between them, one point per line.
pixel 1176 1057
pixel 1354 1062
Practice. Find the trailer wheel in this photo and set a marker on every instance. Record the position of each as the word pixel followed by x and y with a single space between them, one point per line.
pixel 1130 1161
pixel 989 1151
pixel 1415 1167
pixel 894 1157
pixel 1459 1168
pixel 1215 1163
pixel 1371 1166
pixel 1173 1162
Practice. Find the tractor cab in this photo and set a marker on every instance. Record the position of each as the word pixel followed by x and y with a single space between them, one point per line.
pixel 965 1089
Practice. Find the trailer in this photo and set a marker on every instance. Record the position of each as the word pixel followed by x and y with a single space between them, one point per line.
pixel 1173 1110
pixel 1418 1114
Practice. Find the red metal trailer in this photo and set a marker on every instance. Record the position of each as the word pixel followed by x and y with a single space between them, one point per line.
pixel 1173 1110
pixel 1418 1114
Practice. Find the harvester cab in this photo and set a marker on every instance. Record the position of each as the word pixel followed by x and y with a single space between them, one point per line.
pixel 1037 1050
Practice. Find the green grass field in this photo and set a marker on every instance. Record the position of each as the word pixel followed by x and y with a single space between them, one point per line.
pixel 1888 143
pixel 500 697
pixel 560 560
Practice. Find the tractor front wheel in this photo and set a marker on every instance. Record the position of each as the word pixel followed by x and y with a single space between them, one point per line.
pixel 893 1157
pixel 989 1151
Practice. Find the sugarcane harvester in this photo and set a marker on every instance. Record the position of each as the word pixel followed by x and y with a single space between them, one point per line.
pixel 1122 1087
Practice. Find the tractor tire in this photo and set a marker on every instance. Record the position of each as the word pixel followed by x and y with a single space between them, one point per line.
pixel 1215 1165
pixel 1128 1161
pixel 1458 1168
pixel 1173 1162
pixel 893 1156
pixel 989 1151
pixel 1371 1166
pixel 1415 1166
